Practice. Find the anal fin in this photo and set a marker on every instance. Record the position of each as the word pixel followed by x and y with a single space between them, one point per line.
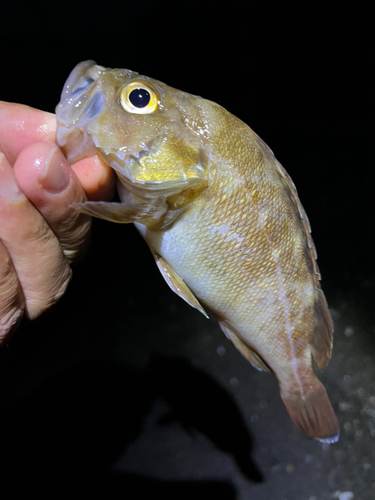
pixel 312 413
pixel 321 343
pixel 177 284
pixel 244 349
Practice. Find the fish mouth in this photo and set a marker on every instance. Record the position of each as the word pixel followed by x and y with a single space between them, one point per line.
pixel 76 92
pixel 76 108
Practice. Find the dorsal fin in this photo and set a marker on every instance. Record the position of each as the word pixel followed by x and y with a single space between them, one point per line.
pixel 293 195
pixel 321 341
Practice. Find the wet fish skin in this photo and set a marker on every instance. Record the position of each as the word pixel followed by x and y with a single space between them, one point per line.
pixel 222 218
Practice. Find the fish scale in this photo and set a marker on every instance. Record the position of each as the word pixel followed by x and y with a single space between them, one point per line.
pixel 221 217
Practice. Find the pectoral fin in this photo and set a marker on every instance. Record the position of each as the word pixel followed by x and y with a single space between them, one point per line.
pixel 244 349
pixel 145 212
pixel 177 284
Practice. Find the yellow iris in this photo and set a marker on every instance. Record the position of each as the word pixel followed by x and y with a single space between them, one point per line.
pixel 139 98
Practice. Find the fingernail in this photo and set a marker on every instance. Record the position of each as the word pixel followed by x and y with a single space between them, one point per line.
pixel 55 175
pixel 9 189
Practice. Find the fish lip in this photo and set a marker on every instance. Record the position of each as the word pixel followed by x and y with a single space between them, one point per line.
pixel 76 94
pixel 74 77
pixel 79 103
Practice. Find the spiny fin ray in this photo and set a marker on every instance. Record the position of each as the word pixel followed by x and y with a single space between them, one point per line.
pixel 321 342
pixel 244 349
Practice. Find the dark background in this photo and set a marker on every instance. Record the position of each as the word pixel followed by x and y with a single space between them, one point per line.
pixel 122 389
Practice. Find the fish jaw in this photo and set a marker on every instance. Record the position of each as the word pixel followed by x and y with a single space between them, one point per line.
pixel 72 107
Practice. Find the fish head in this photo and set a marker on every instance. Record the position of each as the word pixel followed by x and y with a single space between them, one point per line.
pixel 154 136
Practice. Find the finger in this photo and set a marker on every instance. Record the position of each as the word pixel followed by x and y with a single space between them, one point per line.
pixel 11 295
pixel 45 177
pixel 42 269
pixel 96 177
pixel 21 125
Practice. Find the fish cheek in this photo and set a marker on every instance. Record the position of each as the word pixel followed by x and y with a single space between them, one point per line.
pixel 172 158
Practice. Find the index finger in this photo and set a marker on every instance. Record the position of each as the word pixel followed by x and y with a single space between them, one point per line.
pixel 21 125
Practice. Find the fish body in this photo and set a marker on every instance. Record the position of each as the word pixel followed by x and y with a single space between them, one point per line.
pixel 221 217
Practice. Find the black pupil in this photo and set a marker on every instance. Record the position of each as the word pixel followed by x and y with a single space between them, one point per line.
pixel 139 98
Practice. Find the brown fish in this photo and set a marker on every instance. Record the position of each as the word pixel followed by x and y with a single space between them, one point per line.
pixel 221 217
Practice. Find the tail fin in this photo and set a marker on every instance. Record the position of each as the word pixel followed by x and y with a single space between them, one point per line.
pixel 313 413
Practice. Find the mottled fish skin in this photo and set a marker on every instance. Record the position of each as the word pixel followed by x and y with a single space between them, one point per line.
pixel 223 220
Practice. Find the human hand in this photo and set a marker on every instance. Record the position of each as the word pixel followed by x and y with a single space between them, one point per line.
pixel 40 233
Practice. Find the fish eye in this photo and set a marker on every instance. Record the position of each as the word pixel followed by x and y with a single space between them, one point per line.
pixel 139 98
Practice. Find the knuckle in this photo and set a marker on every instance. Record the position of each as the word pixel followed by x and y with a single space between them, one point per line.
pixel 11 298
pixel 74 239
pixel 40 300
pixel 9 321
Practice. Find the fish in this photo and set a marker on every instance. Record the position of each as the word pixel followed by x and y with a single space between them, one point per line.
pixel 221 217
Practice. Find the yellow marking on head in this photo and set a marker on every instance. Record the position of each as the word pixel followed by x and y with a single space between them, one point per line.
pixel 224 197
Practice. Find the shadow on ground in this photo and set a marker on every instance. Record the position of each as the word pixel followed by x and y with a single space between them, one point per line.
pixel 78 423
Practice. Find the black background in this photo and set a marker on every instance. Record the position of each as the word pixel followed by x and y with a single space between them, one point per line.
pixel 120 389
